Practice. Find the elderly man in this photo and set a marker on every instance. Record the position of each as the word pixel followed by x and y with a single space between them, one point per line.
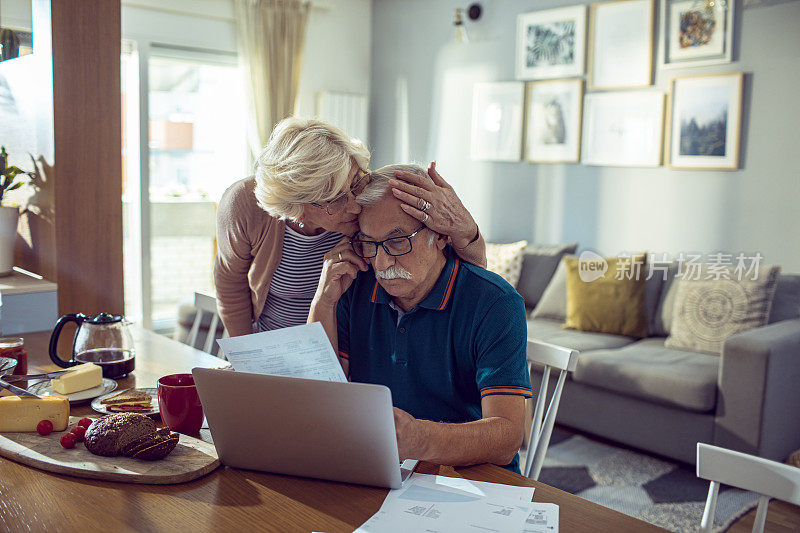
pixel 448 338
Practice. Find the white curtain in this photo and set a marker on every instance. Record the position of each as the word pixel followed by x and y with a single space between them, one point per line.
pixel 271 37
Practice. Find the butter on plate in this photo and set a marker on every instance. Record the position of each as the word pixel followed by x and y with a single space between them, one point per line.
pixel 23 414
pixel 85 376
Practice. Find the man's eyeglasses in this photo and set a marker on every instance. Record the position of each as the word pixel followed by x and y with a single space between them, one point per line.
pixel 394 246
pixel 337 205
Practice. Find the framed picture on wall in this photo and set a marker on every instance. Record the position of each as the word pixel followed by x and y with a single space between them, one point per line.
pixel 705 117
pixel 553 118
pixel 621 44
pixel 497 121
pixel 696 33
pixel 551 43
pixel 623 128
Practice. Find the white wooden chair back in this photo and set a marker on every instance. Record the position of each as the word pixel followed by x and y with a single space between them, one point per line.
pixel 564 360
pixel 769 479
pixel 204 304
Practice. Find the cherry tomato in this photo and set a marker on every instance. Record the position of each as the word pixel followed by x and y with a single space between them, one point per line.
pixel 79 432
pixel 68 440
pixel 45 427
pixel 85 422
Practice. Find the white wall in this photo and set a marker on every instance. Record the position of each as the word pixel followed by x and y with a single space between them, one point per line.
pixel 16 14
pixel 337 51
pixel 608 209
pixel 337 54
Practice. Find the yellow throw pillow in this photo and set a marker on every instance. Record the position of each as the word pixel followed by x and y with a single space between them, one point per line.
pixel 607 295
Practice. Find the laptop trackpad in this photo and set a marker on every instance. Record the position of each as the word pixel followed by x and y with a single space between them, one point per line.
pixel 407 468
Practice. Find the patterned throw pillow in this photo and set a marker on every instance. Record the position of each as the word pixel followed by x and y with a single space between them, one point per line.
pixel 506 260
pixel 717 303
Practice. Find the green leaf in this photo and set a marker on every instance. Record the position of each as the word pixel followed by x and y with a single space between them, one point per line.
pixel 13 171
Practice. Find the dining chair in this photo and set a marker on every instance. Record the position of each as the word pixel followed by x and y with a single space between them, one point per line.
pixel 769 479
pixel 205 303
pixel 549 356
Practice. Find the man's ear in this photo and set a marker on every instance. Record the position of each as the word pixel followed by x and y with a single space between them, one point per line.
pixel 441 241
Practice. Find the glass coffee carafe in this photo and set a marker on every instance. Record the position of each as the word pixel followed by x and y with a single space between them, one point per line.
pixel 103 339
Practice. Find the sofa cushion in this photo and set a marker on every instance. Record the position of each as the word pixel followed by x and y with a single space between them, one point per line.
pixel 666 301
pixel 539 263
pixel 717 303
pixel 553 303
pixel 608 299
pixel 648 370
pixel 505 260
pixel 786 304
pixel 657 275
pixel 548 330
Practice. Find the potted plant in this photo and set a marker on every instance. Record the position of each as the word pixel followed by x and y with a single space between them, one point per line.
pixel 9 216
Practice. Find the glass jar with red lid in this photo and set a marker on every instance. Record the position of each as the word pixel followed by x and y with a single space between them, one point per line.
pixel 14 348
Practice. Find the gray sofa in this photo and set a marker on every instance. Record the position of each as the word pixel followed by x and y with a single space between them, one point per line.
pixel 639 393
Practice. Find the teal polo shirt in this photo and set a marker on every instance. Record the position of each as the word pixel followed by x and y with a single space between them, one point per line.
pixel 465 340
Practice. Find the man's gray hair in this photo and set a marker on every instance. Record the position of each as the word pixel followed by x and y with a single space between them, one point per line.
pixel 379 186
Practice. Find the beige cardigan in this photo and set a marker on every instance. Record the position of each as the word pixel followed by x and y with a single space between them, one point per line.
pixel 249 249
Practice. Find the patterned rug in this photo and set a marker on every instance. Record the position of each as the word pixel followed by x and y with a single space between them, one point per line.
pixel 665 493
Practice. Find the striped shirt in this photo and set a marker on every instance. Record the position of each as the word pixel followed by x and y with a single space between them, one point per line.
pixel 295 280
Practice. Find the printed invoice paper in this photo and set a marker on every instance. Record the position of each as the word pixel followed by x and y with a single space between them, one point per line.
pixel 299 352
pixel 442 505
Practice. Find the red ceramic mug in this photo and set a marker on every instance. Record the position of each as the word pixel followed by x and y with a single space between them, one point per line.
pixel 179 404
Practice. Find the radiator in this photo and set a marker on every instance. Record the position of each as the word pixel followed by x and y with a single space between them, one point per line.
pixel 346 111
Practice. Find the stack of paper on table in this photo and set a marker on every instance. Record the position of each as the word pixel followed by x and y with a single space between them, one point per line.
pixel 444 504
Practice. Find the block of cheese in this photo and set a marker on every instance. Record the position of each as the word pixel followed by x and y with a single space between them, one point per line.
pixel 23 414
pixel 85 376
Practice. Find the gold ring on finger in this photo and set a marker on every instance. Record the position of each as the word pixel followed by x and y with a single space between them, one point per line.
pixel 340 256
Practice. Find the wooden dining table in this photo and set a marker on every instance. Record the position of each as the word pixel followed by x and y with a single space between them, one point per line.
pixel 227 499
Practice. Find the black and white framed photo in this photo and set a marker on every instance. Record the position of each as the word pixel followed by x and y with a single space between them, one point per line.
pixel 551 43
pixel 696 33
pixel 621 44
pixel 705 118
pixel 623 128
pixel 553 118
pixel 497 116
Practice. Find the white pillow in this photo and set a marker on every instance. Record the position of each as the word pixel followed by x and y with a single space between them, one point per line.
pixel 505 260
pixel 553 303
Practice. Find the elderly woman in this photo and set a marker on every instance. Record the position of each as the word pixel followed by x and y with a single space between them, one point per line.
pixel 275 228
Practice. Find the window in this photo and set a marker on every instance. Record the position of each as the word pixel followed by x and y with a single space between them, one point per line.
pixel 195 148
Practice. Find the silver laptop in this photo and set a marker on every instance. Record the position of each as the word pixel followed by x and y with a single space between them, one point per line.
pixel 303 427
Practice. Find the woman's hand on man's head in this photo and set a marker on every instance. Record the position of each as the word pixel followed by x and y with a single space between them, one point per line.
pixel 434 203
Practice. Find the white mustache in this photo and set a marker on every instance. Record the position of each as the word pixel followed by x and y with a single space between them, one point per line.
pixel 393 272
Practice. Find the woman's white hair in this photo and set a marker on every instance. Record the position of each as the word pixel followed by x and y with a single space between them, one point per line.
pixel 304 161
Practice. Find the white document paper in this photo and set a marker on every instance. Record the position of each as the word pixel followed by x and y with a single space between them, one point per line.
pixel 481 489
pixel 442 504
pixel 542 518
pixel 299 352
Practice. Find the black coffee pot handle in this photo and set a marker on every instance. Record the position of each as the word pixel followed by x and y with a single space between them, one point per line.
pixel 78 319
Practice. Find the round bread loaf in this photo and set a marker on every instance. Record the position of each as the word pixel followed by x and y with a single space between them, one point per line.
pixel 109 435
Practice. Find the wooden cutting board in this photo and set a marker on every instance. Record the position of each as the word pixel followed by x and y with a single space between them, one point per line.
pixel 191 459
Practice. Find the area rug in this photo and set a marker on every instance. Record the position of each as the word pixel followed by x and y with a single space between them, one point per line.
pixel 664 493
